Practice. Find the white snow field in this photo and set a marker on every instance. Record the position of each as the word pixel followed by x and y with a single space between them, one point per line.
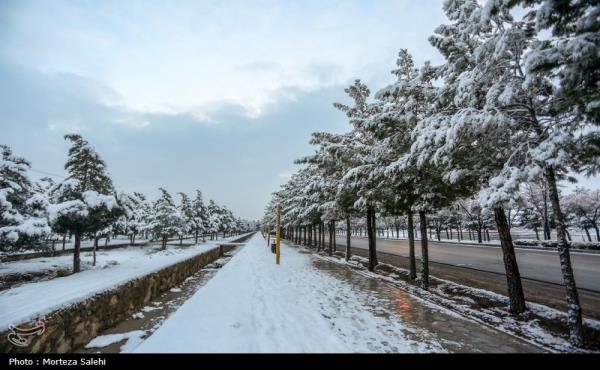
pixel 114 267
pixel 307 304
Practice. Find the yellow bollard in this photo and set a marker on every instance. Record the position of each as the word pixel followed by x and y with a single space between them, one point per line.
pixel 278 234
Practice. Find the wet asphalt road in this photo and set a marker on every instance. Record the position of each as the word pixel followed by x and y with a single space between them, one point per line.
pixel 536 265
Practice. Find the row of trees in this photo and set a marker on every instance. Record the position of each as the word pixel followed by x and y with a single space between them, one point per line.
pixel 516 102
pixel 529 218
pixel 86 204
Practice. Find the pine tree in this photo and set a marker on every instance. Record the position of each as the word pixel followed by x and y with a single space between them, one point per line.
pixel 213 213
pixel 360 177
pixel 167 220
pixel 555 125
pixel 86 203
pixel 22 209
pixel 187 216
pixel 584 204
pixel 135 220
pixel 199 216
pixel 467 137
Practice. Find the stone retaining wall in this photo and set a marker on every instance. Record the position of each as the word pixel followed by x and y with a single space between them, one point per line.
pixel 72 327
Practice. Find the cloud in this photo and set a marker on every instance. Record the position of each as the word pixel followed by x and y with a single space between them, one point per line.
pixel 238 161
pixel 164 57
pixel 216 95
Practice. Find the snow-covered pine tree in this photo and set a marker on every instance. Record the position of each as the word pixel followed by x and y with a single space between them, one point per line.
pixel 166 220
pixel 22 210
pixel 584 204
pixel 534 193
pixel 199 216
pixel 46 188
pixel 467 137
pixel 336 155
pixel 558 125
pixel 187 216
pixel 291 198
pixel 135 221
pixel 86 201
pixel 415 185
pixel 401 107
pixel 362 177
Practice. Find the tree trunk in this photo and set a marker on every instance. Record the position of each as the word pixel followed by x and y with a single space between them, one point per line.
pixel 587 232
pixel 537 234
pixel 304 231
pixel 196 237
pixel 547 235
pixel 348 237
pixel 164 242
pixel 371 222
pixel 330 229
pixel 321 231
pixel 64 241
pixel 94 250
pixel 323 228
pixel 334 236
pixel 411 246
pixel 597 231
pixel 513 277
pixel 574 308
pixel 424 251
pixel 76 252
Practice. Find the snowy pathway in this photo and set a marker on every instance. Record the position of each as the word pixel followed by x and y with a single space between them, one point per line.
pixel 307 304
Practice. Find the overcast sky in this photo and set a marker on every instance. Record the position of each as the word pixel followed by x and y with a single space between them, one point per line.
pixel 219 96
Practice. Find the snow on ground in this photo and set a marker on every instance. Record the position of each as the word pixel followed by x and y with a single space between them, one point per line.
pixel 104 259
pixel 114 267
pixel 134 338
pixel 253 305
pixel 70 244
pixel 530 330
